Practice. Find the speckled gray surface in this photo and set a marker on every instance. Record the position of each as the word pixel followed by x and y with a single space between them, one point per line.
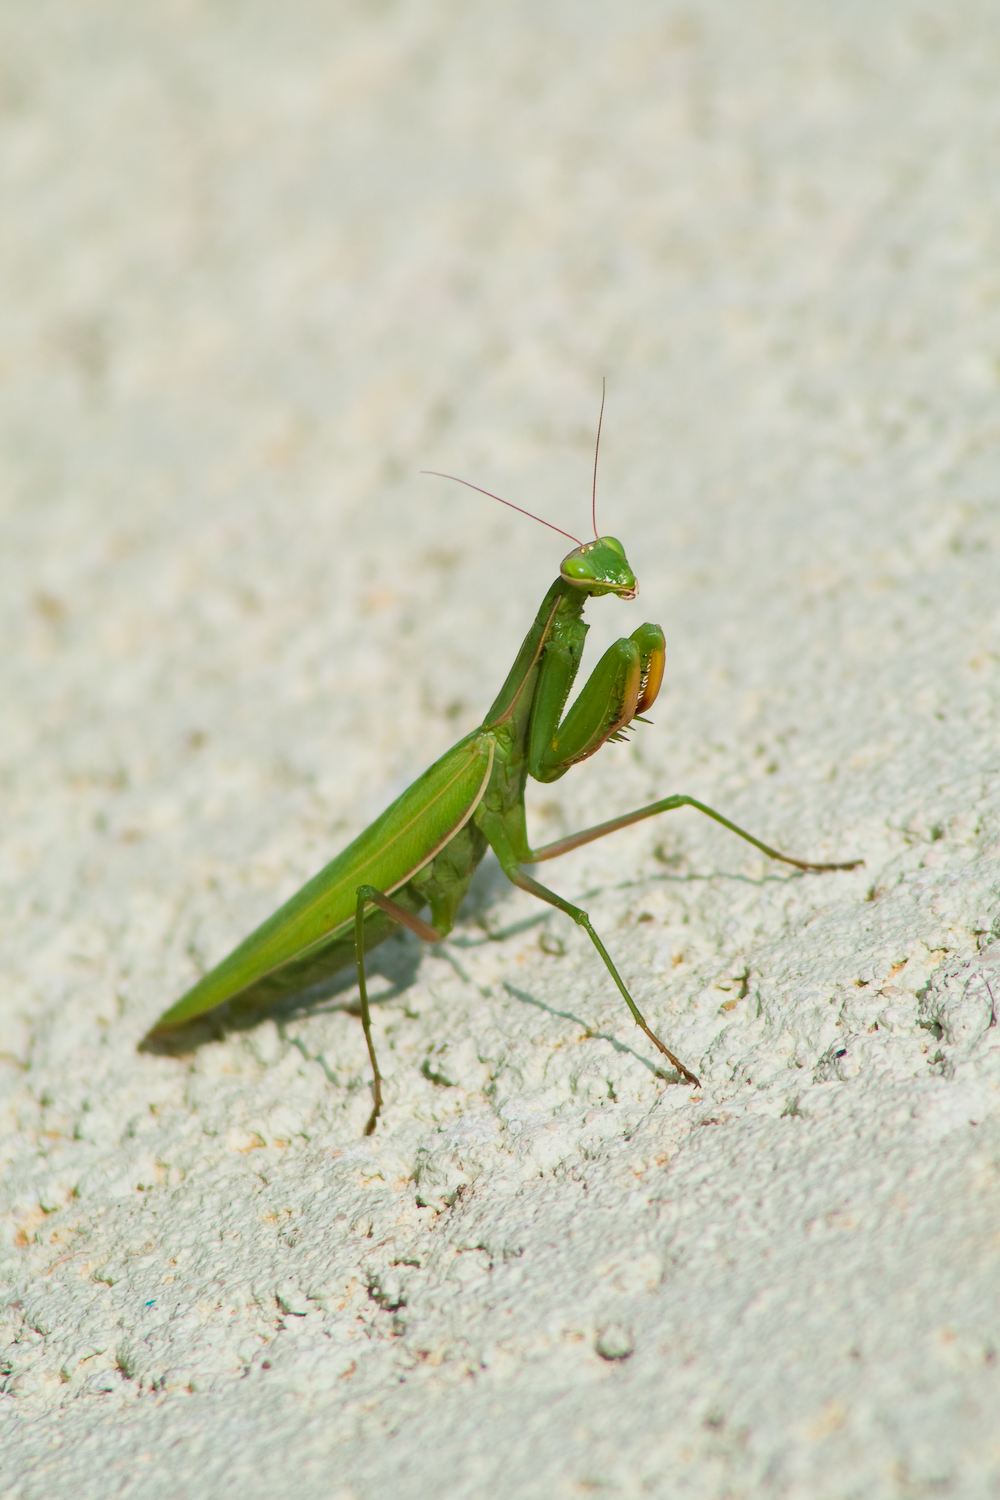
pixel 259 267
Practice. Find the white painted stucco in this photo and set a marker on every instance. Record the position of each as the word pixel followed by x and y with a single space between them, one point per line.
pixel 259 266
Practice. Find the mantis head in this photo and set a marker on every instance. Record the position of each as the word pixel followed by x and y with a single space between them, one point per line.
pixel 600 567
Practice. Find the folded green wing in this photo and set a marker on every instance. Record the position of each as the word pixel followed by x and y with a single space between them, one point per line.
pixel 389 852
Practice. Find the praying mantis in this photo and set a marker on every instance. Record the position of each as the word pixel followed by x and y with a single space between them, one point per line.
pixel 424 849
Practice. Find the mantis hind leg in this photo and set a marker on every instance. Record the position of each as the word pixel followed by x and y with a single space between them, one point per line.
pixel 369 896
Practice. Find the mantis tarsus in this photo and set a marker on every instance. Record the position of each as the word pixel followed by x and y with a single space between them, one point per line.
pixel 424 849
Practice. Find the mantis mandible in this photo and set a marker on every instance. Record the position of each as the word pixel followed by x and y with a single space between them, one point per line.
pixel 425 847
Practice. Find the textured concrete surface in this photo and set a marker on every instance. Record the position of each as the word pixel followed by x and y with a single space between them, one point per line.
pixel 260 265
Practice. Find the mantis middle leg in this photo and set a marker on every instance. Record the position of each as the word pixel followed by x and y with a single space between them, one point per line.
pixel 495 831
pixel 669 804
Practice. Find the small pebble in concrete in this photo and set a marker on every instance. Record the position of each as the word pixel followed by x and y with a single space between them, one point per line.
pixel 614 1342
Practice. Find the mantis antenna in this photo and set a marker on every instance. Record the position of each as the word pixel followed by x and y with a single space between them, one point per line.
pixel 438 475
pixel 597 449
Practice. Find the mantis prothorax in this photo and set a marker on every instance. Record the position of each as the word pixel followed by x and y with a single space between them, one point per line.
pixel 424 849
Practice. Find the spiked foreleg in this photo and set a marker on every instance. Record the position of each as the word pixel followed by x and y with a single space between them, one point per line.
pixel 624 683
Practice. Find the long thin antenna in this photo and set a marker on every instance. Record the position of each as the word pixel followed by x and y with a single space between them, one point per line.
pixel 597 449
pixel 438 475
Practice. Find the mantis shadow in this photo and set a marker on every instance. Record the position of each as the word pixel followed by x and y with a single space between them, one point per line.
pixel 499 883
pixel 591 1034
pixel 398 960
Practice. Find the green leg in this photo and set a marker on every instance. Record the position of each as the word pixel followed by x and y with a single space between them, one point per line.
pixel 668 804
pixel 495 831
pixel 368 894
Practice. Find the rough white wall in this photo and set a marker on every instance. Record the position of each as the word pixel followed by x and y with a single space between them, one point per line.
pixel 260 265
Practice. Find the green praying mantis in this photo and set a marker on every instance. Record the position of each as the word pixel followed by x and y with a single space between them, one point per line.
pixel 424 849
